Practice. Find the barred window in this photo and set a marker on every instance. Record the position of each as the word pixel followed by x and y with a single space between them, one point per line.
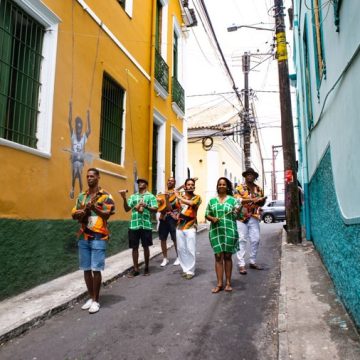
pixel 111 128
pixel 21 40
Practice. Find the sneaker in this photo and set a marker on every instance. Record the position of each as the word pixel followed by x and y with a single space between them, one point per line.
pixel 94 308
pixel 176 262
pixel 164 262
pixel 189 276
pixel 87 305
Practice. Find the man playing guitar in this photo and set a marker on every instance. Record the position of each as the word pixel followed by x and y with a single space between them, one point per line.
pixel 252 198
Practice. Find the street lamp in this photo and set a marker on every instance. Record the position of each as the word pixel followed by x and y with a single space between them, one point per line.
pixel 235 27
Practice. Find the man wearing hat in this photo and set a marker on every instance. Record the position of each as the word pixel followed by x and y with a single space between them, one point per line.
pixel 141 204
pixel 252 198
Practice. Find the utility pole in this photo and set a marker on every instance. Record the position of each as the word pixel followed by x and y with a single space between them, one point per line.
pixel 246 122
pixel 287 131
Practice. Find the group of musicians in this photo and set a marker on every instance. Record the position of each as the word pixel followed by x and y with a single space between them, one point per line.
pixel 233 216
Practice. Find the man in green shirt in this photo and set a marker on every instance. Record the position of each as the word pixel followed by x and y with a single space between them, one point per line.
pixel 141 204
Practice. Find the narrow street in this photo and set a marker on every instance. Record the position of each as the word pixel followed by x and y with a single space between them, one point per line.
pixel 166 317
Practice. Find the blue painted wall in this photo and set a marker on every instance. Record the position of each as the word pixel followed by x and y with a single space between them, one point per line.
pixel 337 243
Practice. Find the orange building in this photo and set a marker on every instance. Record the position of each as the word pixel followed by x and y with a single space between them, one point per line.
pixel 83 85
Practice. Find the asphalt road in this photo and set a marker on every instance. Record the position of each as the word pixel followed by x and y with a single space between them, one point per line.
pixel 164 316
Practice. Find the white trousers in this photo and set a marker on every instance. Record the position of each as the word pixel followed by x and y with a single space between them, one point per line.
pixel 186 247
pixel 248 231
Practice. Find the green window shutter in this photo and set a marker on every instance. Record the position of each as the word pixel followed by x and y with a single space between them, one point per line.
pixel 111 128
pixel 175 56
pixel 5 65
pixel 158 25
pixel 20 73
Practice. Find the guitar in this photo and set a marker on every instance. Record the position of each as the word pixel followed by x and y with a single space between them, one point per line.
pixel 87 208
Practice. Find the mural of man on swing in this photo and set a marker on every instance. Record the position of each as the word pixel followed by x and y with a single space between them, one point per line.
pixel 78 141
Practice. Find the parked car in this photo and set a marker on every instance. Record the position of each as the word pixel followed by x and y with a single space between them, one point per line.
pixel 273 211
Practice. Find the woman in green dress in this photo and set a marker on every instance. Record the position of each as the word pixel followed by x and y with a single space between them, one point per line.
pixel 222 212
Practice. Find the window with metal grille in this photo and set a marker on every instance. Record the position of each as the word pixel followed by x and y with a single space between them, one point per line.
pixel 158 25
pixel 175 56
pixel 111 128
pixel 21 39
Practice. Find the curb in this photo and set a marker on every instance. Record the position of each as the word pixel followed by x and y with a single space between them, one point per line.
pixel 40 316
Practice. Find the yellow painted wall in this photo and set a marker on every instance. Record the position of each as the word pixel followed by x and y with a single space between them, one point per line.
pixel 38 188
pixel 164 106
pixel 206 186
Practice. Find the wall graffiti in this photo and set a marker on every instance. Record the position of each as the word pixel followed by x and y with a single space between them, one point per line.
pixel 78 140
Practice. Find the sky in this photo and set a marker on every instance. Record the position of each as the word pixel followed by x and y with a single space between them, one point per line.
pixel 207 76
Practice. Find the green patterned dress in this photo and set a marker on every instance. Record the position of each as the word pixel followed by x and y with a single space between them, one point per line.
pixel 223 235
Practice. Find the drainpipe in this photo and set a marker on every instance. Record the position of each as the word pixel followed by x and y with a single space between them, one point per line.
pixel 152 85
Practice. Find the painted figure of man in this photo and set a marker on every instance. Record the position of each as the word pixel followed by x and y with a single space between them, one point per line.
pixel 78 141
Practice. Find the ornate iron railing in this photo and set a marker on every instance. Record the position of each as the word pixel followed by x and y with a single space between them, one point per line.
pixel 178 94
pixel 161 71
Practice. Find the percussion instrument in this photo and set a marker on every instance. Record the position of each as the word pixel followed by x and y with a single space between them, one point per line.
pixel 161 199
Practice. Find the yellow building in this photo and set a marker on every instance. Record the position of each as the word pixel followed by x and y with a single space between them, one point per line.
pixel 215 149
pixel 83 85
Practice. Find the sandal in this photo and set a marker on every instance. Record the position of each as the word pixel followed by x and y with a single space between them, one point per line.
pixel 216 289
pixel 228 288
pixel 256 266
pixel 146 272
pixel 242 270
pixel 132 274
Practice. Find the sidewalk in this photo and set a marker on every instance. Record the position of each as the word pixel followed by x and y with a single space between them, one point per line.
pixel 312 323
pixel 19 313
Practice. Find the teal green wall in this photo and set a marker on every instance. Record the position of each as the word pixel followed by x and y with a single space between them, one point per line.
pixel 35 251
pixel 337 243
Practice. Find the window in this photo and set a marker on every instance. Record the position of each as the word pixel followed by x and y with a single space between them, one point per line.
pixel 158 29
pixel 155 158
pixel 28 41
pixel 319 58
pixel 173 157
pixel 20 61
pixel 307 81
pixel 175 56
pixel 111 127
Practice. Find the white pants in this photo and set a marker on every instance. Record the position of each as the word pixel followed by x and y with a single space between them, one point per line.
pixel 251 231
pixel 186 247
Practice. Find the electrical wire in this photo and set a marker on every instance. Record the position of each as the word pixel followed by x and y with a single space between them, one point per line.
pixel 220 50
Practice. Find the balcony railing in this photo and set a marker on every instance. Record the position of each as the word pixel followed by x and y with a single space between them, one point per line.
pixel 178 94
pixel 161 71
